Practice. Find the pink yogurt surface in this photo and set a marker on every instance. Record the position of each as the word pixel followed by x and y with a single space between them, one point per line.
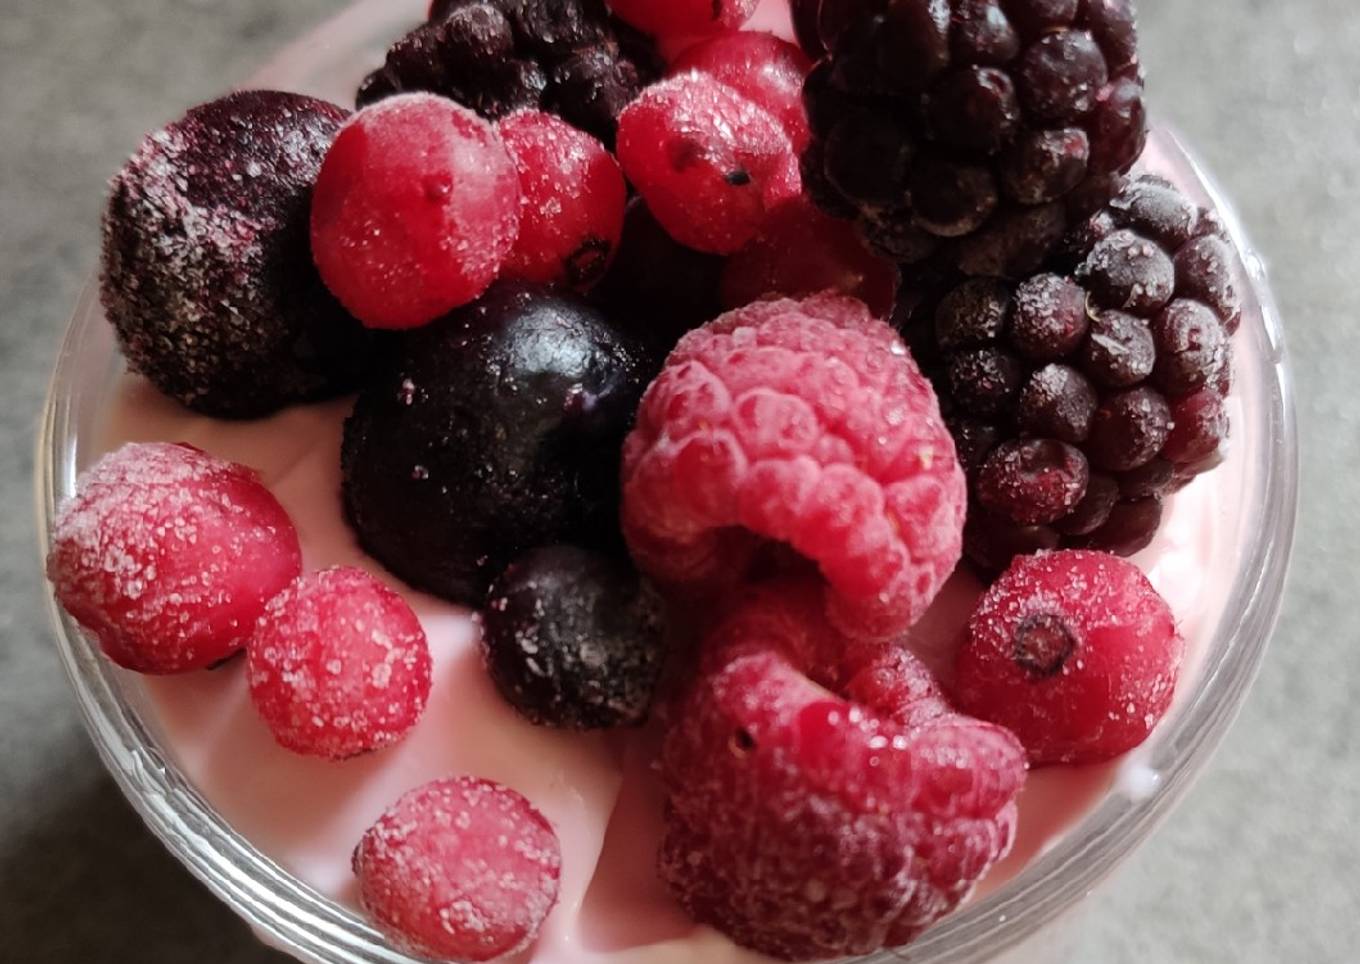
pixel 597 790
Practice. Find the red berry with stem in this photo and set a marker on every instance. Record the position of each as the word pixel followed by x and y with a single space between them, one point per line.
pixel 416 209
pixel 571 204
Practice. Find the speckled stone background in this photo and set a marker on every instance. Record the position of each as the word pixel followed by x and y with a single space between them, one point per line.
pixel 1262 862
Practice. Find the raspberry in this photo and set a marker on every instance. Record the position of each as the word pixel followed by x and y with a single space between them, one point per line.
pixel 231 318
pixel 168 555
pixel 764 69
pixel 460 869
pixel 977 122
pixel 805 423
pixel 684 18
pixel 801 251
pixel 416 209
pixel 709 162
pixel 1075 653
pixel 500 56
pixel 1127 360
pixel 574 639
pixel 806 826
pixel 572 199
pixel 338 665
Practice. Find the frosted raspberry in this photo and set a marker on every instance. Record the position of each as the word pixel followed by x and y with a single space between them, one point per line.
pixel 460 869
pixel 415 210
pixel 168 556
pixel 806 826
pixel 709 162
pixel 572 201
pixel 338 665
pixel 805 423
pixel 1075 652
pixel 683 18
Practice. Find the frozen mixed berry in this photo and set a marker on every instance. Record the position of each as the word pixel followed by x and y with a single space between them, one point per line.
pixel 1033 481
pixel 1126 359
pixel 489 433
pixel 572 199
pixel 684 18
pixel 657 288
pixel 338 665
pixel 168 555
pixel 802 423
pixel 416 209
pixel 709 162
pixel 574 639
pixel 801 251
pixel 207 275
pixel 1075 653
pixel 805 825
pixel 761 67
pixel 976 122
pixel 568 57
pixel 460 869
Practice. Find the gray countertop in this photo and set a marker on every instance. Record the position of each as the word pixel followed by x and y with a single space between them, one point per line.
pixel 1260 864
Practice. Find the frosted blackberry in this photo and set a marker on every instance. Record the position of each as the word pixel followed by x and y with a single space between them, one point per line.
pixel 569 57
pixel 1121 359
pixel 982 125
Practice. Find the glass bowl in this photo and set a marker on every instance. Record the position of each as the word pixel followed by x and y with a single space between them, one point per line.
pixel 297 919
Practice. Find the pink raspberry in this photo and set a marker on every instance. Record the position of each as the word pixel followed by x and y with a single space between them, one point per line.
pixel 168 556
pixel 709 162
pixel 1075 652
pixel 460 869
pixel 806 826
pixel 683 18
pixel 804 423
pixel 415 210
pixel 572 201
pixel 762 68
pixel 338 665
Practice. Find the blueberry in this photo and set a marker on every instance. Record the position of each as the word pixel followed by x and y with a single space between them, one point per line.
pixel 490 432
pixel 574 639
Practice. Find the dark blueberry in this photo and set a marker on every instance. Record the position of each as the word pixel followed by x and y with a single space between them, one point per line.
pixel 1156 210
pixel 1061 76
pixel 973 110
pixel 983 34
pixel 973 315
pixel 1050 320
pixel 1128 272
pixel 974 440
pixel 1081 240
pixel 984 381
pixel 574 640
pixel 1130 528
pixel 490 432
pixel 1192 348
pixel 1204 271
pixel 1033 481
pixel 1129 430
pixel 207 272
pixel 1015 243
pixel 1045 165
pixel 951 200
pixel 1201 426
pixel 1102 494
pixel 1146 481
pixel 991 543
pixel 1119 350
pixel 1057 402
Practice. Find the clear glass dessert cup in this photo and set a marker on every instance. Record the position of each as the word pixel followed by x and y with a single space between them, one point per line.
pixel 294 917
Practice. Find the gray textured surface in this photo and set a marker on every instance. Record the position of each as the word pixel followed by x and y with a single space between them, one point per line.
pixel 1261 864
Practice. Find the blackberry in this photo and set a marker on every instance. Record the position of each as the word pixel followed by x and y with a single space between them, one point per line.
pixel 569 57
pixel 1080 398
pixel 978 129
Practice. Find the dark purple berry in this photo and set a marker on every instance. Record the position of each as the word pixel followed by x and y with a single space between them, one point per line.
pixel 1129 430
pixel 1050 317
pixel 574 640
pixel 974 439
pixel 1156 210
pixel 991 542
pixel 868 159
pixel 1036 17
pixel 1201 426
pixel 1152 479
pixel 1102 494
pixel 1129 529
pixel 983 34
pixel 1057 402
pixel 1045 165
pixel 1033 481
pixel 1119 350
pixel 973 110
pixel 951 200
pixel 985 381
pixel 1128 272
pixel 1014 244
pixel 973 315
pixel 1061 76
pixel 1118 127
pixel 490 432
pixel 1113 25
pixel 1192 348
pixel 1204 272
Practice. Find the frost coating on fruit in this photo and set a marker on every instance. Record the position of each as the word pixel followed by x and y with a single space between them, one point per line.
pixel 207 275
pixel 168 556
pixel 684 18
pixel 804 423
pixel 460 869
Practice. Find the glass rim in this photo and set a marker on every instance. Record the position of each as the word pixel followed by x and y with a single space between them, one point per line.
pixel 296 918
